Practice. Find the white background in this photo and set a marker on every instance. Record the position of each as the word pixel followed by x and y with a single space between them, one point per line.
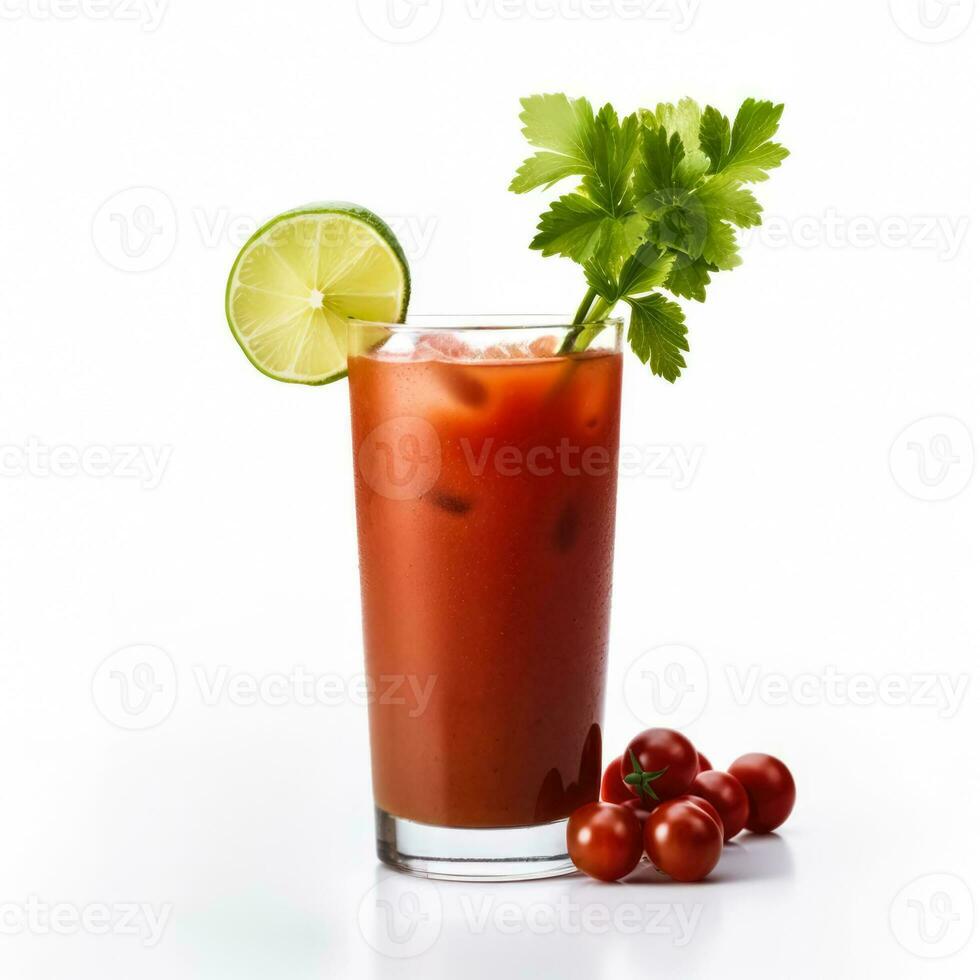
pixel 816 531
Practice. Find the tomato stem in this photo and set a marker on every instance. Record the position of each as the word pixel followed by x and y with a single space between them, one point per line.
pixel 641 778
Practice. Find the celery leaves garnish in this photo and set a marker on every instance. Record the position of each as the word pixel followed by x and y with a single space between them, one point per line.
pixel 660 195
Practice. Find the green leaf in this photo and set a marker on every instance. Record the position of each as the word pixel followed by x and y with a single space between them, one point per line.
pixel 563 128
pixel 678 224
pixel 599 148
pixel 599 278
pixel 620 241
pixel 613 155
pixel 715 136
pixel 646 269
pixel 543 170
pixel 689 277
pixel 751 151
pixel 724 200
pixel 657 334
pixel 596 222
pixel 571 227
pixel 660 196
pixel 696 221
pixel 665 195
pixel 720 247
pixel 657 173
pixel 684 119
pixel 578 228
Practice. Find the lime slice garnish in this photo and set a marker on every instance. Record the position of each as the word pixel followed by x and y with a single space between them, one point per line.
pixel 298 279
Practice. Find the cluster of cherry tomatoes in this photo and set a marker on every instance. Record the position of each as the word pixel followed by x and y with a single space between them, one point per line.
pixel 664 798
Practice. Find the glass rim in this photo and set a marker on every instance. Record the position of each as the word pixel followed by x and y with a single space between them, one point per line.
pixel 464 322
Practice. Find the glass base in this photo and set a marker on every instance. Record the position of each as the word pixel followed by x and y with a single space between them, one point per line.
pixel 473 853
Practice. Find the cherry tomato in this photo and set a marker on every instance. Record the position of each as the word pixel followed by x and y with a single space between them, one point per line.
pixel 770 788
pixel 703 764
pixel 613 789
pixel 659 764
pixel 605 840
pixel 682 840
pixel 705 805
pixel 727 795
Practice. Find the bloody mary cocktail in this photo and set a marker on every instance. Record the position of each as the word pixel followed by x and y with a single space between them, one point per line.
pixel 485 468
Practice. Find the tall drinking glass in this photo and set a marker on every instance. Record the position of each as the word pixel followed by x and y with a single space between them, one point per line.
pixel 485 461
